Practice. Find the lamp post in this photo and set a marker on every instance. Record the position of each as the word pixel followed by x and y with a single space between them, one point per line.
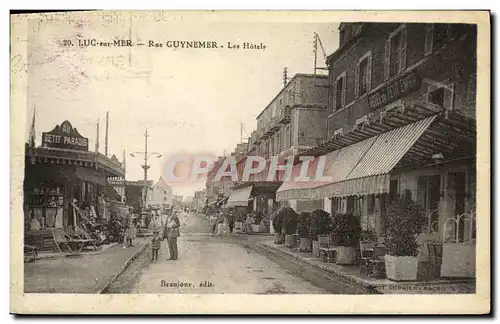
pixel 146 166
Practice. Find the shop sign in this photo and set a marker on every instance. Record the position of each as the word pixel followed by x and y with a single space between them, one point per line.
pixel 64 136
pixel 395 90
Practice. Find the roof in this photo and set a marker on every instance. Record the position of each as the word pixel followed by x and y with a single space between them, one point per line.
pixel 296 76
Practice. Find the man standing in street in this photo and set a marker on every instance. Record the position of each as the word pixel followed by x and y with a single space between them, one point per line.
pixel 172 232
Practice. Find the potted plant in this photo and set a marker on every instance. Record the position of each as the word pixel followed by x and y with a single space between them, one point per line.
pixel 320 224
pixel 304 223
pixel 257 217
pixel 290 222
pixel 403 223
pixel 278 215
pixel 346 232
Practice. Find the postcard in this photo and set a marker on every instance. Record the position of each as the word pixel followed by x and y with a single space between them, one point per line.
pixel 250 162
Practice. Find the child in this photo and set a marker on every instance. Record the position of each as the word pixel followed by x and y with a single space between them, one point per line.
pixel 155 245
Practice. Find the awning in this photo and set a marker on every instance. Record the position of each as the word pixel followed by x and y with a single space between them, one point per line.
pixel 90 175
pixel 361 168
pixel 110 192
pixel 239 197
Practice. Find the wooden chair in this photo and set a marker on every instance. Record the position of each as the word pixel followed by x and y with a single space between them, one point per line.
pixel 30 253
pixel 90 241
pixel 366 250
pixel 64 241
pixel 327 253
pixel 377 263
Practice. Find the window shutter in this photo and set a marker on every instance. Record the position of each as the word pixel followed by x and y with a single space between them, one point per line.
pixel 429 38
pixel 449 96
pixel 334 97
pixel 369 74
pixel 430 88
pixel 344 87
pixel 387 58
pixel 356 81
pixel 403 49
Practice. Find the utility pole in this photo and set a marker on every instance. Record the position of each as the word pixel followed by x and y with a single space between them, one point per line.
pixel 146 166
pixel 106 140
pixel 97 138
pixel 285 76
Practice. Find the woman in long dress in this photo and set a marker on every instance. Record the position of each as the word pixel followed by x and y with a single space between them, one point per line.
pixel 131 233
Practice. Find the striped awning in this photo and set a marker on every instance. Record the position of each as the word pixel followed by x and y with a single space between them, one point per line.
pixel 361 168
pixel 239 197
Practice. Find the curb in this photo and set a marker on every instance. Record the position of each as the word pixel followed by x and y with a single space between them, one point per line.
pixel 52 257
pixel 355 280
pixel 352 279
pixel 124 267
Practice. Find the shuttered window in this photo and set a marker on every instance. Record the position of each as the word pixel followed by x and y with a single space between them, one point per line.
pixel 395 52
pixel 429 38
pixel 363 77
pixel 340 91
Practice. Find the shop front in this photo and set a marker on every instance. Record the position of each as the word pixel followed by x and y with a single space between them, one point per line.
pixel 419 149
pixel 65 184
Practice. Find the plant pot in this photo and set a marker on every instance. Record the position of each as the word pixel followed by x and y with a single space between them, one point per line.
pixel 402 268
pixel 315 248
pixel 238 226
pixel 290 240
pixel 305 244
pixel 279 238
pixel 346 255
pixel 255 228
pixel 459 260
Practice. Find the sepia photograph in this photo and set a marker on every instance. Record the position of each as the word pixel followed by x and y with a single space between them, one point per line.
pixel 250 154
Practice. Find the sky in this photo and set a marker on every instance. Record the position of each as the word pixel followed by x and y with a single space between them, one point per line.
pixel 192 101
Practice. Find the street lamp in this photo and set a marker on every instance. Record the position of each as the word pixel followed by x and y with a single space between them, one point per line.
pixel 145 166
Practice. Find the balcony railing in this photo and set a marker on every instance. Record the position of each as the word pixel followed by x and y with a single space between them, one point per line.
pixel 266 132
pixel 275 124
pixel 285 115
pixel 256 137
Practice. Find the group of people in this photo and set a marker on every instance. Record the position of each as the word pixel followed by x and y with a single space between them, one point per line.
pixel 221 223
pixel 170 232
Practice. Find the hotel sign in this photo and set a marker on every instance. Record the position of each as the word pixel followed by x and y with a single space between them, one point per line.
pixel 395 90
pixel 64 136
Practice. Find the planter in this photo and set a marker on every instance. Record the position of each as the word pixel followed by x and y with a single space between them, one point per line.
pixel 305 244
pixel 255 228
pixel 238 226
pixel 402 268
pixel 346 255
pixel 279 238
pixel 290 240
pixel 315 248
pixel 459 260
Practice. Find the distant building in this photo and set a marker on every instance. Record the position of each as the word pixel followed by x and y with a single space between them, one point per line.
pixel 161 194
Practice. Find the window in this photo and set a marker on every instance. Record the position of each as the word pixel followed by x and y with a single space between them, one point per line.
pixel 363 80
pixel 428 195
pixel 370 204
pixel 471 93
pixel 165 192
pixel 339 91
pixel 393 190
pixel 395 53
pixel 440 94
pixel 429 38
pixel 164 198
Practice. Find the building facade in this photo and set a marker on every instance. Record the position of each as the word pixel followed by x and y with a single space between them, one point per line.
pixel 401 118
pixel 161 194
pixel 286 127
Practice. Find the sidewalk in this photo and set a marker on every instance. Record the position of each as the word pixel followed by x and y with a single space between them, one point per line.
pixel 86 273
pixel 352 273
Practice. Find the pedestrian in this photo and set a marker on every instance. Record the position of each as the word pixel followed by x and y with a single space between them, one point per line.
pixel 231 222
pixel 172 233
pixel 155 245
pixel 131 233
pixel 213 224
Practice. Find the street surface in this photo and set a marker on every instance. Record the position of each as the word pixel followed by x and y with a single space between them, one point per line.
pixel 218 265
pixel 210 265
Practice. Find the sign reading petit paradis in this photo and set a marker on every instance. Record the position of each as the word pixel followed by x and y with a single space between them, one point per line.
pixel 66 137
pixel 395 90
